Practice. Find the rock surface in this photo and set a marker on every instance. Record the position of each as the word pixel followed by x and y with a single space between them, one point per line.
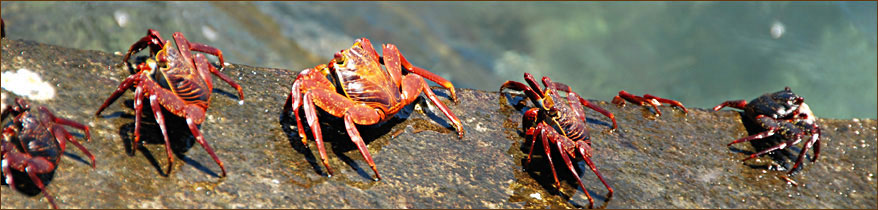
pixel 671 161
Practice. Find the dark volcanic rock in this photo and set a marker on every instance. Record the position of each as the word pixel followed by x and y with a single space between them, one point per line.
pixel 672 161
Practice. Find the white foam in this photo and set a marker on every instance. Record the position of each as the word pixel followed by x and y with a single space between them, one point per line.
pixel 28 84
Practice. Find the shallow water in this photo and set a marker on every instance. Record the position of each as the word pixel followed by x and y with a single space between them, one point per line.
pixel 701 53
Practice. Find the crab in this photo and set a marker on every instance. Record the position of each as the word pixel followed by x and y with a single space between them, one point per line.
pixel 176 79
pixel 781 113
pixel 559 122
pixel 647 99
pixel 352 86
pixel 34 142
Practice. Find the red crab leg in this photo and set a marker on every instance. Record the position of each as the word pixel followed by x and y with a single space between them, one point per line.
pixel 533 83
pixel 40 165
pixel 573 96
pixel 391 58
pixel 314 123
pixel 183 46
pixel 413 84
pixel 226 79
pixel 532 132
pixel 776 147
pixel 767 122
pixel 353 114
pixel 569 164
pixel 64 135
pixel 667 101
pixel 535 97
pixel 152 39
pixel 199 47
pixel 760 135
pixel 66 122
pixel 200 139
pixel 544 135
pixel 411 80
pixel 358 140
pixel 635 99
pixel 138 112
pixel 583 147
pixel 740 104
pixel 808 144
pixel 297 103
pixel 530 118
pixel 816 143
pixel 160 119
pixel 595 107
pixel 428 75
pixel 131 80
pixel 31 165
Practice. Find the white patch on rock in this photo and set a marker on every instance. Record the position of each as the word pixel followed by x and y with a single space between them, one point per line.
pixel 28 84
pixel 536 196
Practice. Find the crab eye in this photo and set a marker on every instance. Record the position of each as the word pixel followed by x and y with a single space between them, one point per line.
pixel 339 58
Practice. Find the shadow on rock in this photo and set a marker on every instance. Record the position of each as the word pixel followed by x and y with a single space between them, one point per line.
pixel 179 137
pixel 336 137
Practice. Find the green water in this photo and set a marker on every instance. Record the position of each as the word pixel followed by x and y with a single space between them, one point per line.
pixel 700 53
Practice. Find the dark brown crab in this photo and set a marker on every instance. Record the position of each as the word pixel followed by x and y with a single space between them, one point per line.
pixel 365 94
pixel 560 124
pixel 34 141
pixel 176 79
pixel 780 113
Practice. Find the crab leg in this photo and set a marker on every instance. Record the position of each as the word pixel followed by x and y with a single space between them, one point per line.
pixel 531 94
pixel 544 135
pixel 776 147
pixel 131 80
pixel 358 140
pixel 352 113
pixel 808 144
pixel 415 81
pixel 200 139
pixel 591 106
pixel 636 99
pixel 138 112
pixel 423 72
pixel 160 119
pixel 740 104
pixel 219 74
pixel 40 165
pixel 314 123
pixel 199 47
pixel 152 39
pixel 667 101
pixel 31 165
pixel 587 157
pixel 569 164
pixel 66 122
pixel 62 135
pixel 532 132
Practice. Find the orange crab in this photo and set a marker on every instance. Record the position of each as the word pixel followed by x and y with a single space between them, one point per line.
pixel 176 79
pixel 353 86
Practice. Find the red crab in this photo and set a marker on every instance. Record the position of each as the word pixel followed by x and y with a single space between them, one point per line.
pixel 354 87
pixel 651 100
pixel 176 79
pixel 780 113
pixel 34 142
pixel 560 124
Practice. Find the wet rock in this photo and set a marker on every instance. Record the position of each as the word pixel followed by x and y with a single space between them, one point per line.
pixel 671 161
